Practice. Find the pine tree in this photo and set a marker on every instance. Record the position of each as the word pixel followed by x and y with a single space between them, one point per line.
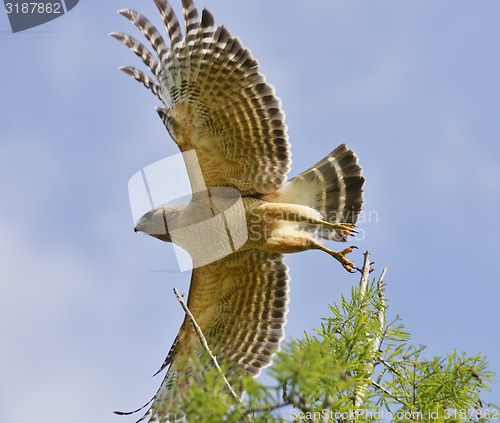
pixel 356 367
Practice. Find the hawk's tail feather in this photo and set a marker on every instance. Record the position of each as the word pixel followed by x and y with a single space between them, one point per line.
pixel 333 187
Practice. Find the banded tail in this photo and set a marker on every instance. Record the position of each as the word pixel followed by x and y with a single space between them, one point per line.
pixel 333 187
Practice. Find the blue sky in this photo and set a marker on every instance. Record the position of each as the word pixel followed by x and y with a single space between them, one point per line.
pixel 87 312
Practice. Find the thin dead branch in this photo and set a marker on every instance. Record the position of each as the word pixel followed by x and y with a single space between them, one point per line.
pixel 203 341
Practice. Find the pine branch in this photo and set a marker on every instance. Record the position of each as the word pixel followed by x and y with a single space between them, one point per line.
pixel 381 313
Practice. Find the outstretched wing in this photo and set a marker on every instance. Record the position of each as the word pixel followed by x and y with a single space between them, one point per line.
pixel 216 101
pixel 240 304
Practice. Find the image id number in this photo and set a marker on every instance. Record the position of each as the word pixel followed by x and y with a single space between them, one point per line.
pixel 33 8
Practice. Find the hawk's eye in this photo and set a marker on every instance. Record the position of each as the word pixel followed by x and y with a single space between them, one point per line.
pixel 149 214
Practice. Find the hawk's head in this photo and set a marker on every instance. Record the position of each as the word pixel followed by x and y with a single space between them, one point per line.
pixel 154 223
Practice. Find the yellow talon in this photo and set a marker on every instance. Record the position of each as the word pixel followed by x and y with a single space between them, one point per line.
pixel 341 257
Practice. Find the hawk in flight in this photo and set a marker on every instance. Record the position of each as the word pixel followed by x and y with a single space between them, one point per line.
pixel 216 103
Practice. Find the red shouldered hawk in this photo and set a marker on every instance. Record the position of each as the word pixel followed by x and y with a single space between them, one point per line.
pixel 217 104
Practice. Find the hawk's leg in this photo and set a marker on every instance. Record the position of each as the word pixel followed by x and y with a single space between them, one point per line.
pixel 288 240
pixel 303 214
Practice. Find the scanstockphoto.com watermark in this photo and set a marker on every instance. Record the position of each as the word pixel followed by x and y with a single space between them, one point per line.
pixel 450 414
pixel 29 14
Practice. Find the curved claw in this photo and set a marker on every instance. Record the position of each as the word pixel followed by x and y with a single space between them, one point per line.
pixel 344 261
pixel 343 230
pixel 341 257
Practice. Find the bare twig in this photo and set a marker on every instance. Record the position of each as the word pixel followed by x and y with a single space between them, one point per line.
pixel 365 273
pixel 268 408
pixel 390 394
pixel 385 391
pixel 390 367
pixel 203 341
pixel 360 391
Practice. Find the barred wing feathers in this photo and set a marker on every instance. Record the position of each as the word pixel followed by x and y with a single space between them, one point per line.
pixel 249 287
pixel 215 100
